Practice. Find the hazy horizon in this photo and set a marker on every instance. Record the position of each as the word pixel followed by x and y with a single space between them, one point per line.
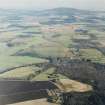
pixel 94 5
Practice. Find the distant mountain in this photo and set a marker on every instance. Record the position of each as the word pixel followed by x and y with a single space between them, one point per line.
pixel 56 15
pixel 55 11
pixel 63 11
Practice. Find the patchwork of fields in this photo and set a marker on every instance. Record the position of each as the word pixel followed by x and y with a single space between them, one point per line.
pixel 34 38
pixel 54 46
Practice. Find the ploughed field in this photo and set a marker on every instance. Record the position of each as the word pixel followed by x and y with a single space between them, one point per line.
pixel 12 91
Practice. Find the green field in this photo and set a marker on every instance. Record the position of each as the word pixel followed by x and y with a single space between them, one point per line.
pixel 48 75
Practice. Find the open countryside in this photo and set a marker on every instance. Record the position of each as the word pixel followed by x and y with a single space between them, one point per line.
pixel 52 57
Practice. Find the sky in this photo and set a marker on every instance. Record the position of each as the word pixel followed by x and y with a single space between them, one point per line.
pixel 48 4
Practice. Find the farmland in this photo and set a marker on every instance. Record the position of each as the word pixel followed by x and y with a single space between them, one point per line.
pixel 53 45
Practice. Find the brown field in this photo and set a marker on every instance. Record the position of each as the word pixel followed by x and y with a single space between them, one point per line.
pixel 35 102
pixel 71 85
pixel 60 28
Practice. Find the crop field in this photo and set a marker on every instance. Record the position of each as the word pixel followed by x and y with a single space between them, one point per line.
pixel 71 85
pixel 37 102
pixel 93 54
pixel 20 73
pixel 48 75
pixel 20 91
